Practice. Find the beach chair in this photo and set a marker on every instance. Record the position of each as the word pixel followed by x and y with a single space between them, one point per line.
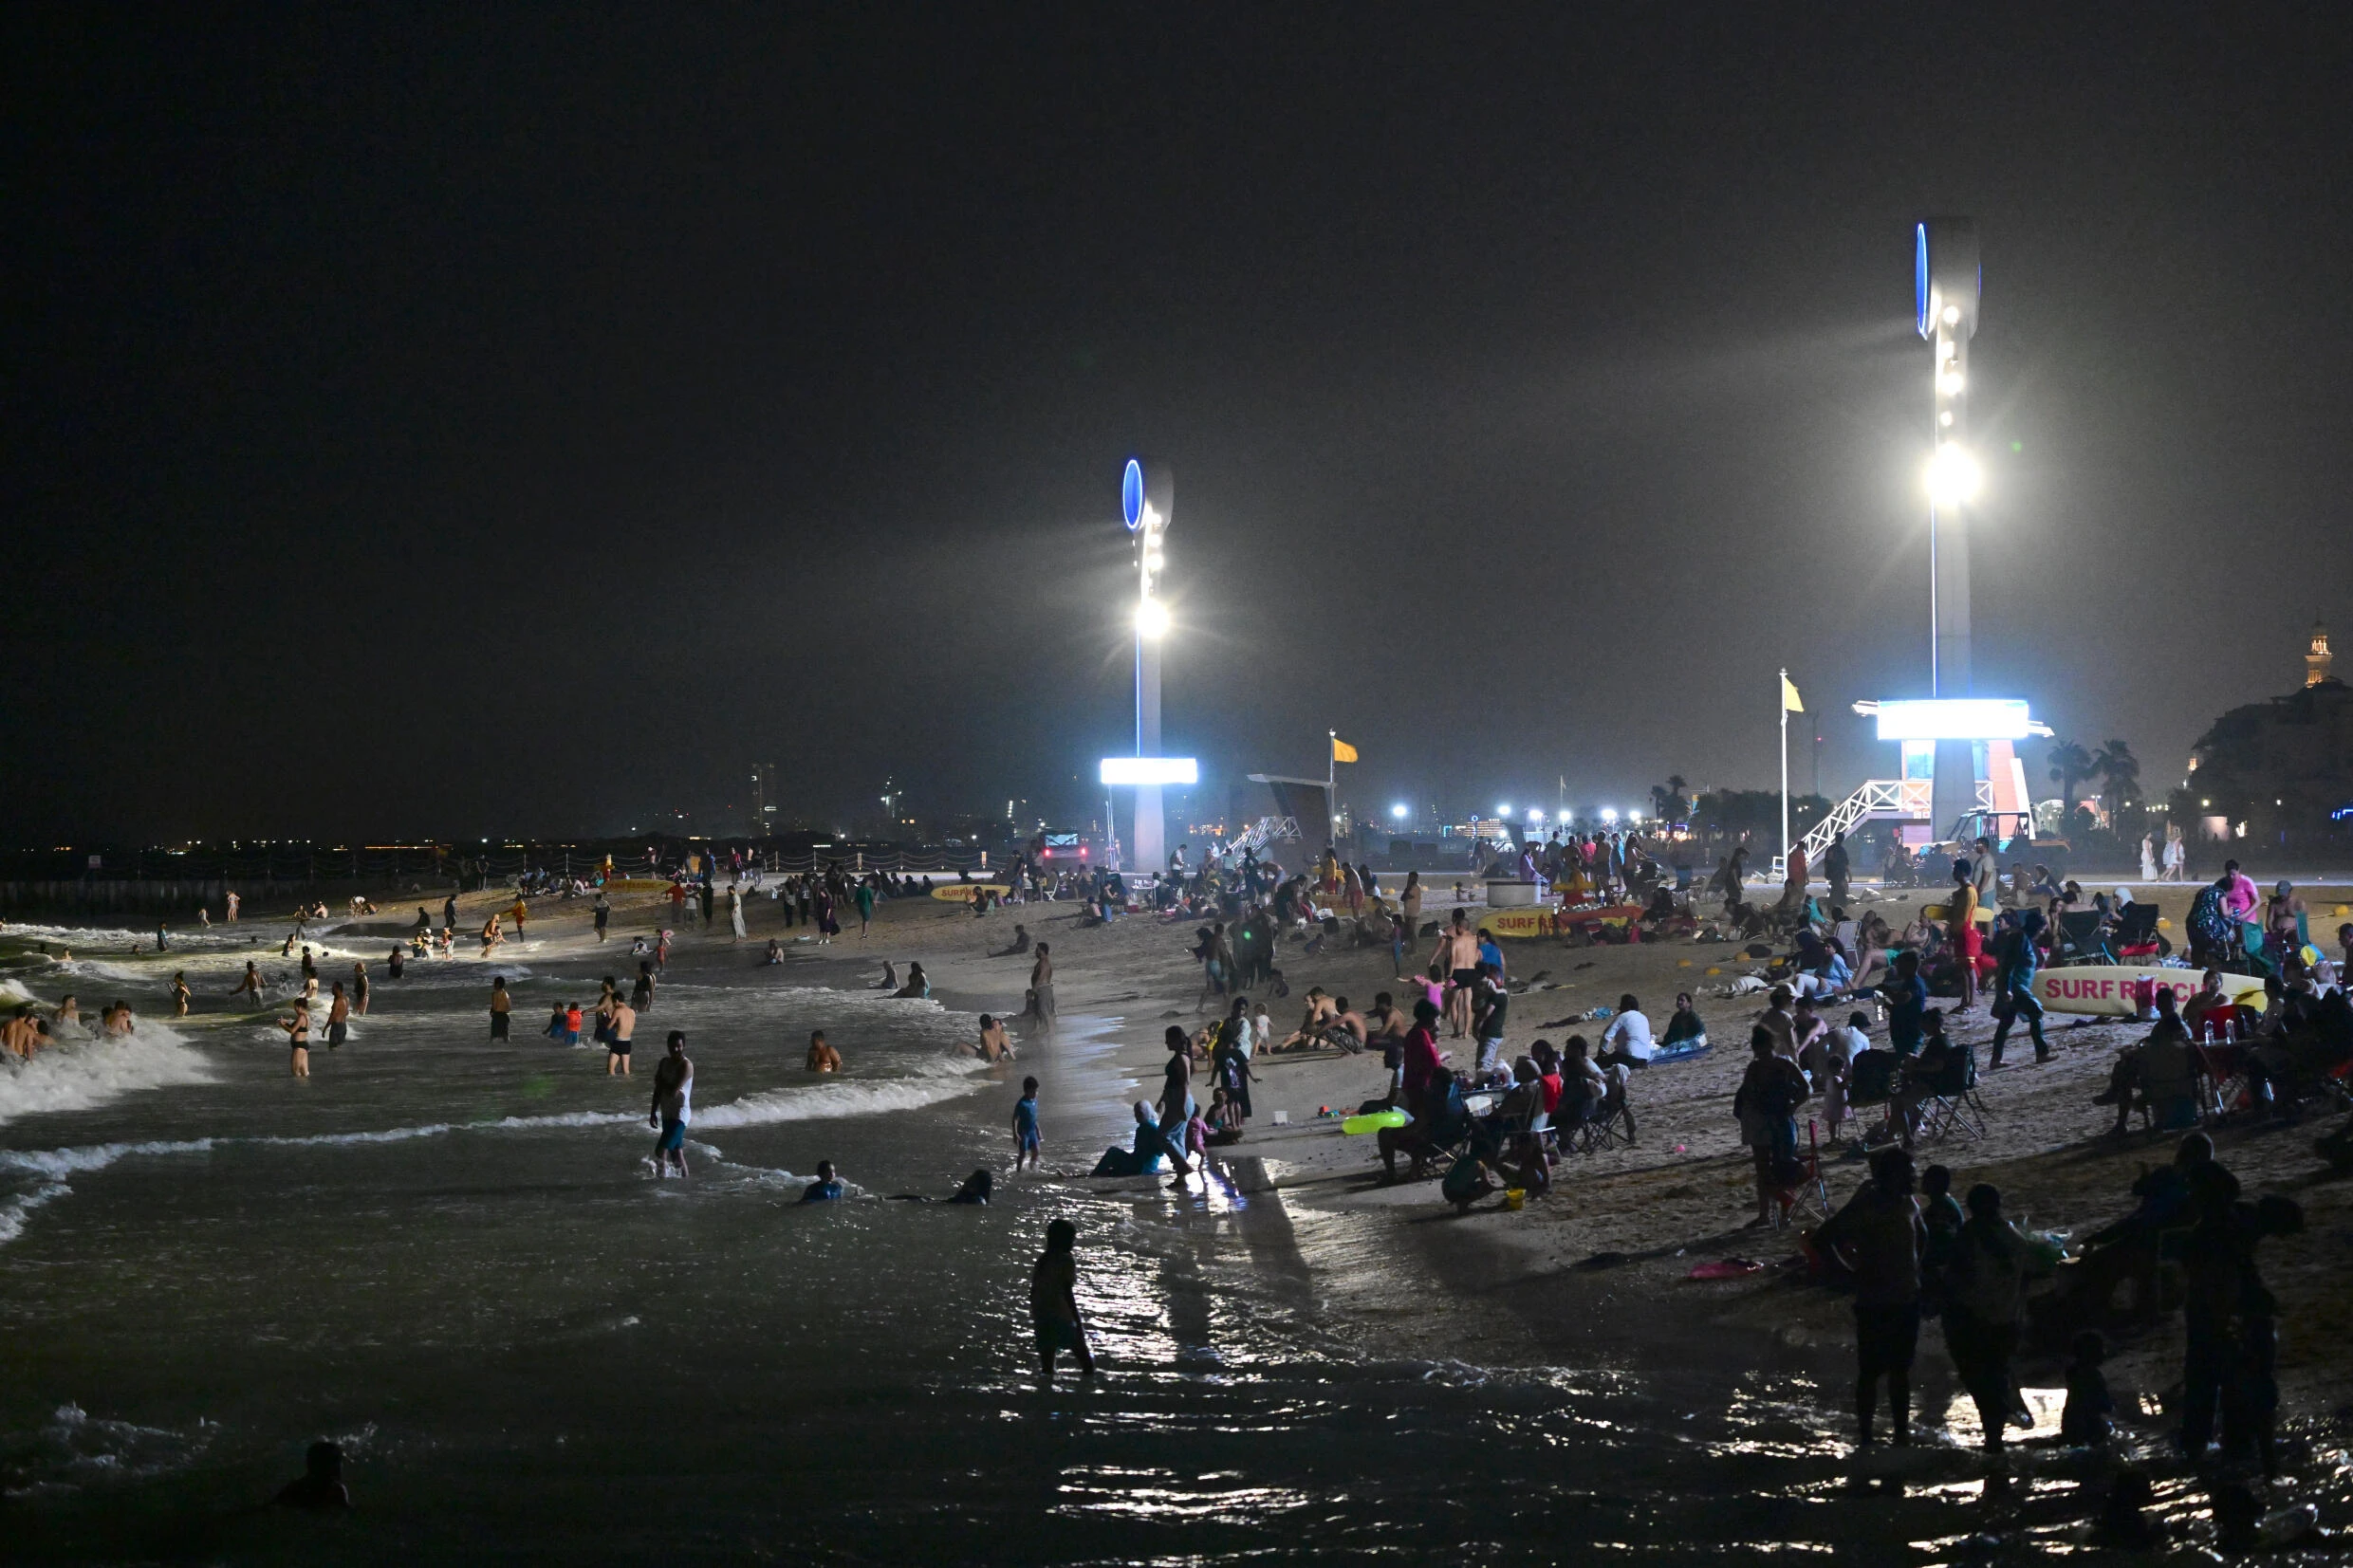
pixel 1608 1123
pixel 2080 940
pixel 1952 1108
pixel 2135 934
pixel 2224 1086
pixel 1799 1193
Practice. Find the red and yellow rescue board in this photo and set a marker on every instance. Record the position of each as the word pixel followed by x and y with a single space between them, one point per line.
pixel 1540 920
pixel 961 893
pixel 2115 991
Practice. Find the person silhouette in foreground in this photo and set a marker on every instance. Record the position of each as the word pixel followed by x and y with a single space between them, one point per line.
pixel 1054 1301
pixel 321 1485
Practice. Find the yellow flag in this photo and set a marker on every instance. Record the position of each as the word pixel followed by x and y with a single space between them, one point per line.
pixel 1789 701
pixel 1341 751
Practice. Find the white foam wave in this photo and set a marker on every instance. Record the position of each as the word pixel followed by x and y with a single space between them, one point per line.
pixel 80 1073
pixel 842 1098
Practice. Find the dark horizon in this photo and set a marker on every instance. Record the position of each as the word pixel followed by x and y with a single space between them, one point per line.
pixel 452 425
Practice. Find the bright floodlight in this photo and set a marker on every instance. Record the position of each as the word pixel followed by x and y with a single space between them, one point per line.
pixel 1609 814
pixel 1954 475
pixel 1534 814
pixel 1398 812
pixel 1503 811
pixel 1151 771
pixel 1152 619
pixel 1956 719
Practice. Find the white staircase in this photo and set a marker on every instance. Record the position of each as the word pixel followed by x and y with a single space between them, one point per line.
pixel 1879 799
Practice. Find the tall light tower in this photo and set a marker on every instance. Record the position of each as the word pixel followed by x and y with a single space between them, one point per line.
pixel 1147 499
pixel 1946 281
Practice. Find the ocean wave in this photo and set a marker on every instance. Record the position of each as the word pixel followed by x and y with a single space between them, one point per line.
pixel 81 1075
pixel 847 1097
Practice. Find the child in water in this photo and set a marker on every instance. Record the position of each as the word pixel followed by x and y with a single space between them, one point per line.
pixel 1054 1301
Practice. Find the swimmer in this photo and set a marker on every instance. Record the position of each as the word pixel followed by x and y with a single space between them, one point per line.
pixel 180 999
pixel 825 1189
pixel 673 1107
pixel 1054 1301
pixel 68 1010
pixel 976 1188
pixel 321 1485
pixel 821 1056
pixel 21 1035
pixel 1028 1144
pixel 298 1036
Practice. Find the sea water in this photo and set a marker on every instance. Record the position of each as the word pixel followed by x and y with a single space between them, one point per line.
pixel 452 1256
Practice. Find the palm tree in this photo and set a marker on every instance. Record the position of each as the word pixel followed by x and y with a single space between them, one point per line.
pixel 2118 771
pixel 1669 799
pixel 2070 764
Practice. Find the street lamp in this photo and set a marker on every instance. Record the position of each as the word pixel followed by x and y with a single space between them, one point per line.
pixel 1947 281
pixel 1147 500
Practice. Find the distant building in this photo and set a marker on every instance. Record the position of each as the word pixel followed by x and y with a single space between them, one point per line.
pixel 2279 771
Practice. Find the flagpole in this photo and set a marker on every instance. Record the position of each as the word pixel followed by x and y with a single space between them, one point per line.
pixel 1782 697
pixel 1331 765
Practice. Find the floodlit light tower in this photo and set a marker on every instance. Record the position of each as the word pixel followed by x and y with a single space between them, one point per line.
pixel 1147 499
pixel 1946 281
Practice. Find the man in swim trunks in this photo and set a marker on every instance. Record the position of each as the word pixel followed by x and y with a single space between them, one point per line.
pixel 821 1056
pixel 624 1024
pixel 1458 954
pixel 673 1107
pixel 338 1018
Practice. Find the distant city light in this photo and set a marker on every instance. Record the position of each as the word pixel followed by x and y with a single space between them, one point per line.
pixel 1398 812
pixel 1954 475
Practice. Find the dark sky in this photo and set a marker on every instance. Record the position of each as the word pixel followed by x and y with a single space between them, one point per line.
pixel 517 419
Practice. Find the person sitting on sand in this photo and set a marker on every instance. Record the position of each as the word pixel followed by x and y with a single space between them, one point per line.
pixel 918 987
pixel 1685 1031
pixel 1142 1157
pixel 821 1056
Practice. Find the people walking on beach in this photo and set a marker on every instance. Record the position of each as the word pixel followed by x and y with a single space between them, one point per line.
pixel 501 1004
pixel 2014 988
pixel 735 909
pixel 521 913
pixel 1961 931
pixel 672 1106
pixel 865 908
pixel 1054 1302
pixel 1028 1145
pixel 1880 1235
pixel 298 1036
pixel 621 1023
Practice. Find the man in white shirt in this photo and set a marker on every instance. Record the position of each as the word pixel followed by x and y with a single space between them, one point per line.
pixel 1627 1041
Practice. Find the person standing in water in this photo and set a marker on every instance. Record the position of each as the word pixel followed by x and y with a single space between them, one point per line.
pixel 358 988
pixel 1041 985
pixel 1881 1233
pixel 250 986
pixel 1028 1146
pixel 338 1018
pixel 673 1107
pixel 501 1004
pixel 622 1023
pixel 298 1035
pixel 1054 1301
pixel 641 994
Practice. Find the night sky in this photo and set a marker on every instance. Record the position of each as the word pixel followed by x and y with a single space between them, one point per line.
pixel 519 421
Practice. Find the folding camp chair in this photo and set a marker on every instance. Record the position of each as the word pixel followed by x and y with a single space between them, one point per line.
pixel 1950 1108
pixel 1608 1123
pixel 1804 1197
pixel 2225 1088
pixel 2080 940
pixel 2135 934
